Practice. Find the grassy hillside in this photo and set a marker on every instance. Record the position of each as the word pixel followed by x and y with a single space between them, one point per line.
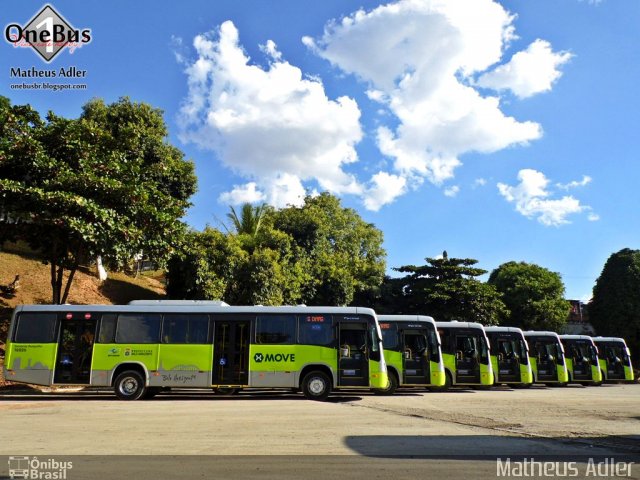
pixel 35 286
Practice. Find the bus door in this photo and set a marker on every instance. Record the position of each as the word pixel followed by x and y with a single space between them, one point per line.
pixel 581 362
pixel 467 358
pixel 75 348
pixel 415 358
pixel 617 358
pixel 353 354
pixel 546 361
pixel 508 360
pixel 231 352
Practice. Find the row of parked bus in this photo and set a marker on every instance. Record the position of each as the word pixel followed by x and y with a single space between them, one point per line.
pixel 473 355
pixel 146 347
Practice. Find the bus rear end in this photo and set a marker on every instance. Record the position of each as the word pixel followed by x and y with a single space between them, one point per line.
pixel 30 352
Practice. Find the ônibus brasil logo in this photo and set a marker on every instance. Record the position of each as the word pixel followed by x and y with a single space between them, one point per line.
pixel 48 33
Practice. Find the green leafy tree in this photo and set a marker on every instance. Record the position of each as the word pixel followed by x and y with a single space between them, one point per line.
pixel 534 296
pixel 343 253
pixel 614 309
pixel 447 289
pixel 107 183
pixel 215 265
pixel 320 253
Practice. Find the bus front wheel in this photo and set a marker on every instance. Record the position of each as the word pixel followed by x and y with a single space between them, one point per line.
pixel 316 385
pixel 130 385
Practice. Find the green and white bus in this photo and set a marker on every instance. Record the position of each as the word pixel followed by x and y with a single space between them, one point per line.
pixel 465 354
pixel 615 359
pixel 509 356
pixel 141 348
pixel 582 359
pixel 546 355
pixel 412 352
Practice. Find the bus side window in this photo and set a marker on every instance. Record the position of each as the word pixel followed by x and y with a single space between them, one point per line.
pixel 36 328
pixel 315 330
pixel 107 328
pixel 276 329
pixel 138 328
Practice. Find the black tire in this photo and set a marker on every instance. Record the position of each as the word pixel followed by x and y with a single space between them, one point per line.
pixel 129 385
pixel 391 389
pixel 316 385
pixel 225 391
pixel 151 392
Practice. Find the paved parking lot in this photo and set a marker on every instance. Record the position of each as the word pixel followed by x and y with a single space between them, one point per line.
pixel 454 431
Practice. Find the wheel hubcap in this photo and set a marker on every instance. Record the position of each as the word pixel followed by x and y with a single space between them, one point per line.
pixel 129 386
pixel 316 386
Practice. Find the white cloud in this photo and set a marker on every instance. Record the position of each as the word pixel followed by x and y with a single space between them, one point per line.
pixel 530 71
pixel 574 184
pixel 452 191
pixel 418 58
pixel 277 128
pixel 384 188
pixel 531 198
pixel 593 217
pixel 479 182
pixel 273 126
pixel 240 194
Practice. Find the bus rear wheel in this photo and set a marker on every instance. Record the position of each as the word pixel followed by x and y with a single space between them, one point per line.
pixel 391 388
pixel 225 391
pixel 129 385
pixel 316 385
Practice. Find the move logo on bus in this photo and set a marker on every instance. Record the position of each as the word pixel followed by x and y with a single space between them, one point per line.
pixel 274 357
pixel 48 33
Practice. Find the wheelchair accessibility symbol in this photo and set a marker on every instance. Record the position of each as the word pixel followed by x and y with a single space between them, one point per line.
pixel 223 361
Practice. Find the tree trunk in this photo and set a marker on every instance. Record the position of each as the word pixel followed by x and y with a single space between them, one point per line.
pixel 68 286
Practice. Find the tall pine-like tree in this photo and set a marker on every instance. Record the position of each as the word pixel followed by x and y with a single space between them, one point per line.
pixel 448 289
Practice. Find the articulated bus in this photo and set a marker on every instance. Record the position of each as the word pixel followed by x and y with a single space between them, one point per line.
pixel 581 355
pixel 465 353
pixel 546 355
pixel 411 351
pixel 141 348
pixel 509 356
pixel 615 359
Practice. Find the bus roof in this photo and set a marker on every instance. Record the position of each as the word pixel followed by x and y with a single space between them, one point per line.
pixel 406 318
pixel 540 333
pixel 609 339
pixel 213 303
pixel 193 308
pixel 504 329
pixel 456 324
pixel 576 337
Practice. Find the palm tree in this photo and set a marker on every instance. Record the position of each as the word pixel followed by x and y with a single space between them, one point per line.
pixel 249 220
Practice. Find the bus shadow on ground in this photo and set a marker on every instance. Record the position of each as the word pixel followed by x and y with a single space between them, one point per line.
pixel 185 395
pixel 477 447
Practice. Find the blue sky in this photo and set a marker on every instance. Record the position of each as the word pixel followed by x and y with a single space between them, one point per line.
pixel 495 130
